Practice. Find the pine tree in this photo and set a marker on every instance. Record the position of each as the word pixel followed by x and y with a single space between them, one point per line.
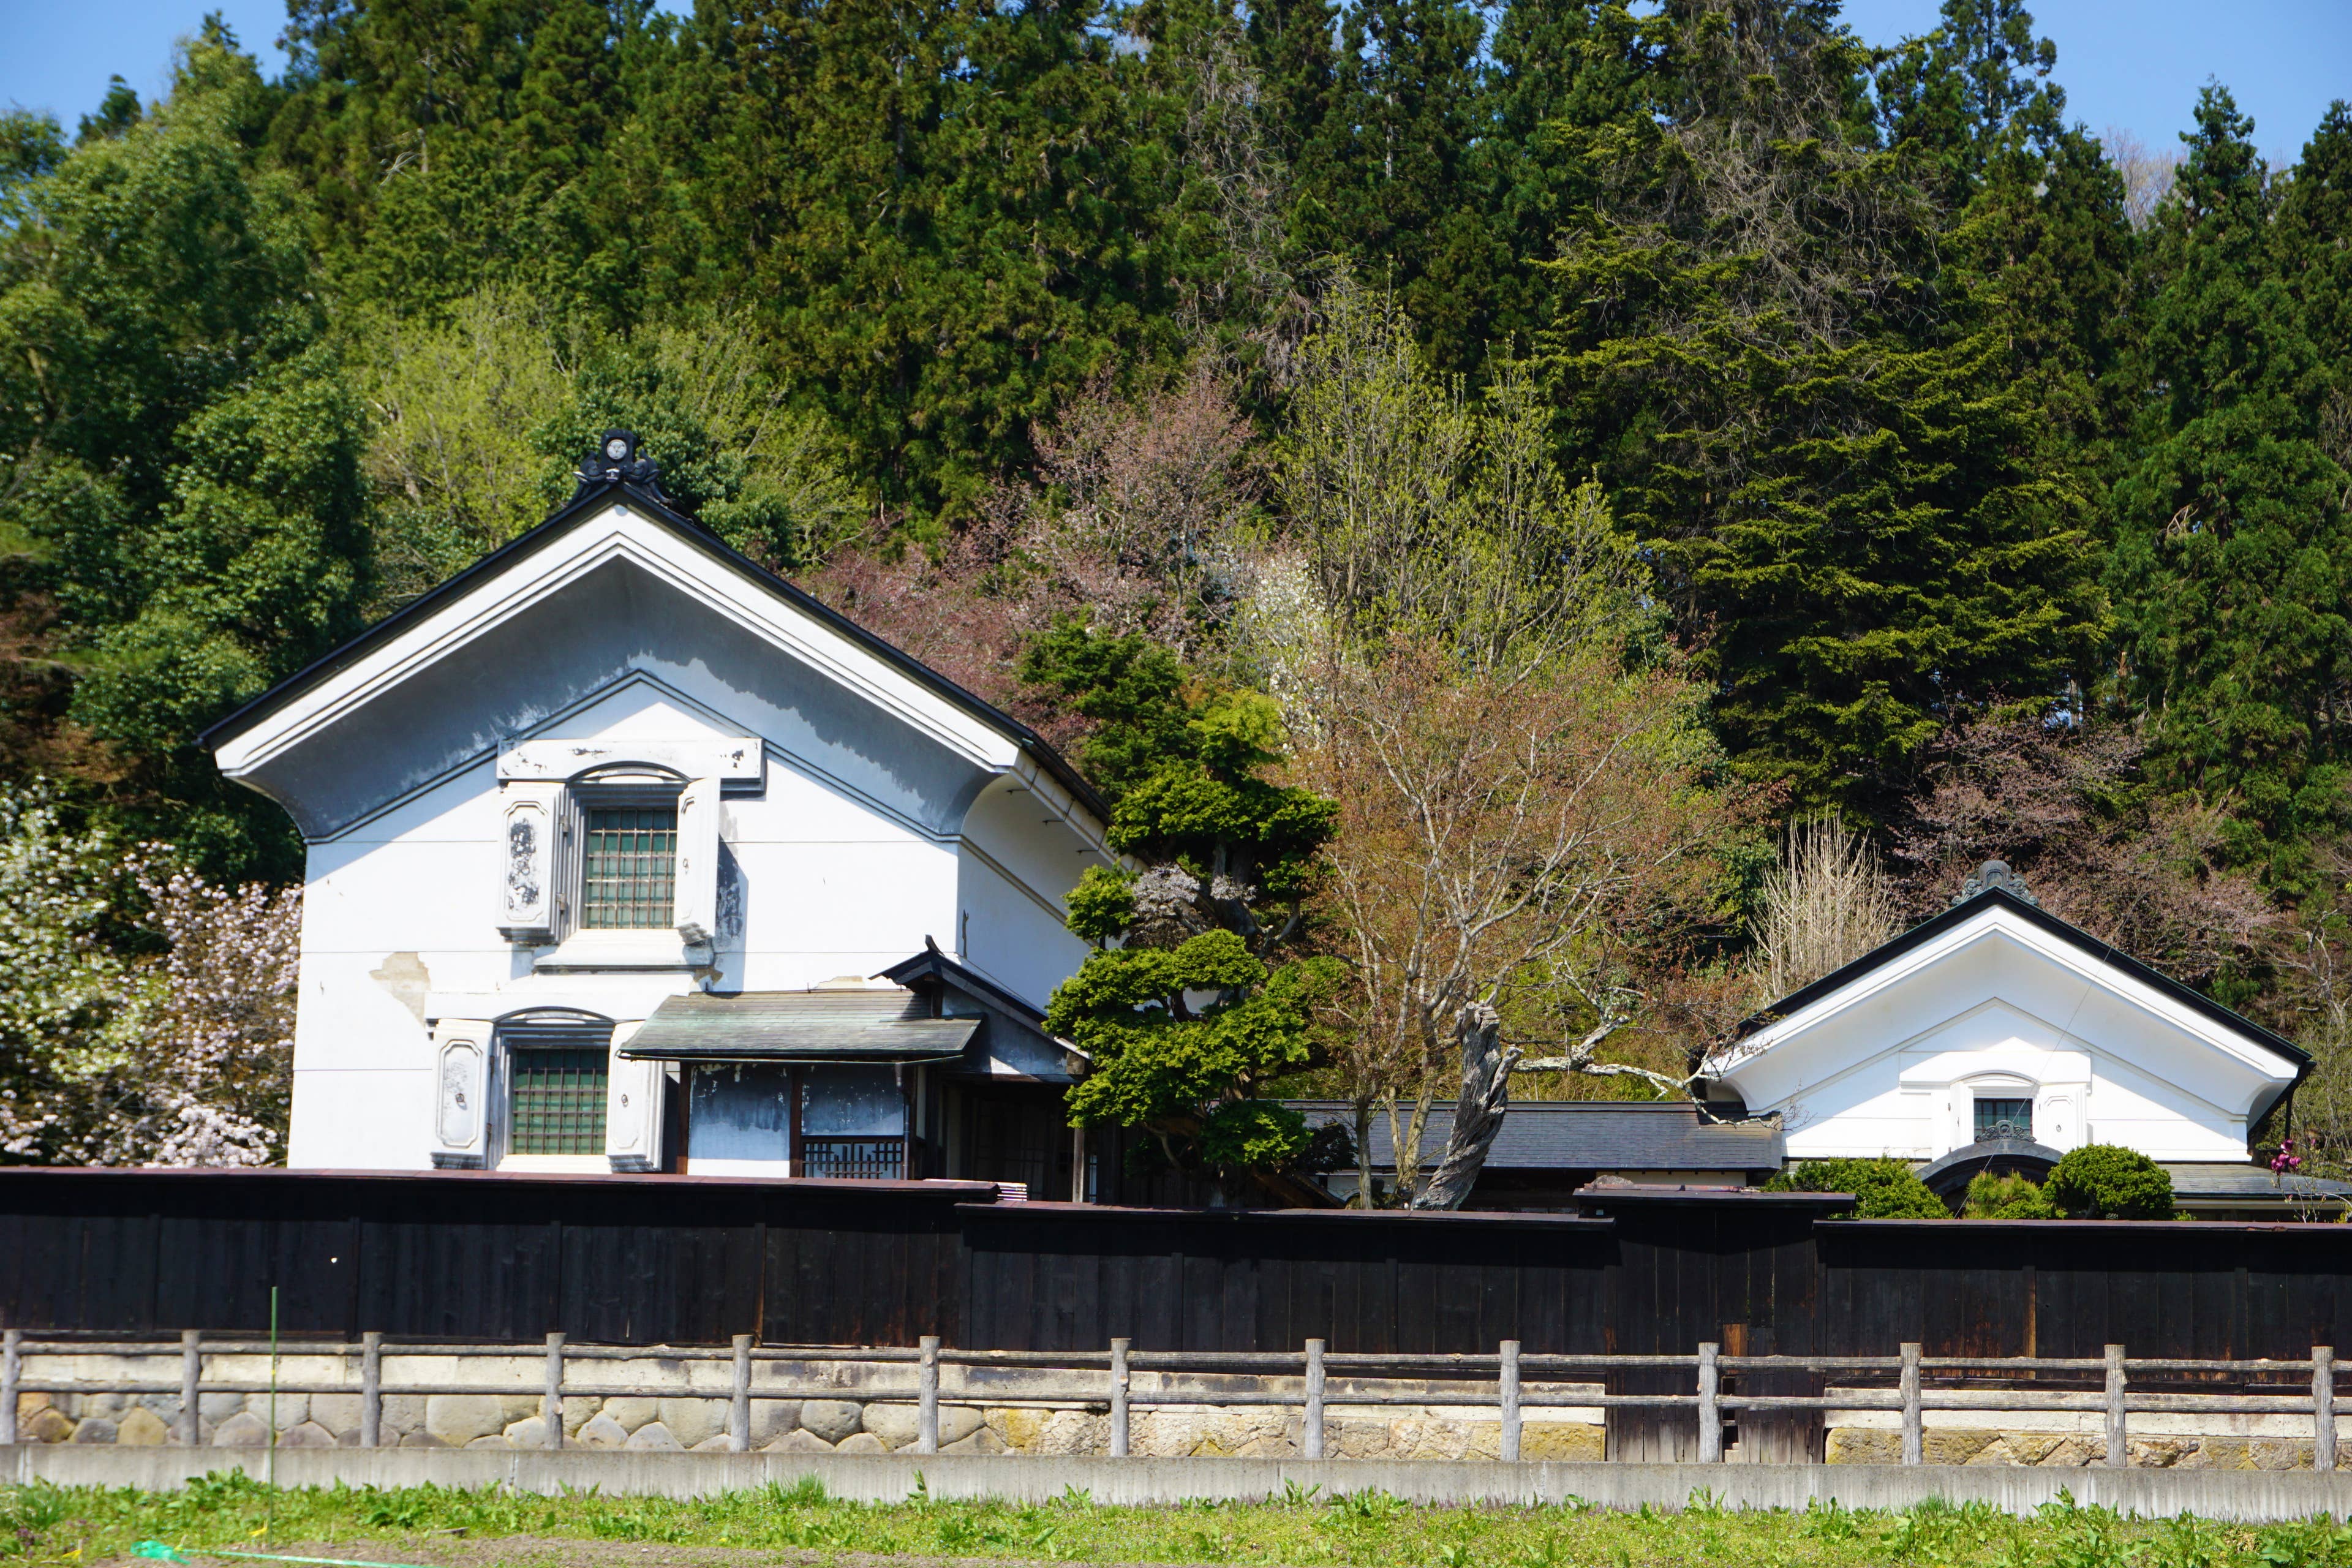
pixel 1561 69
pixel 1834 468
pixel 944 211
pixel 2232 564
pixel 451 143
pixel 1389 179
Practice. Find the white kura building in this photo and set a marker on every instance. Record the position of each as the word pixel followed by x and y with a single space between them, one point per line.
pixel 626 855
pixel 1997 1035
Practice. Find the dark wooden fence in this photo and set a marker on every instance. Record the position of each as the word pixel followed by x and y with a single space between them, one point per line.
pixel 686 1260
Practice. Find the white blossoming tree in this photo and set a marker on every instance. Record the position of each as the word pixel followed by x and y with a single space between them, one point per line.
pixel 146 1016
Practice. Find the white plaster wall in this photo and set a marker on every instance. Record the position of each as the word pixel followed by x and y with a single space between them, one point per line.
pixel 1017 867
pixel 1895 1069
pixel 404 906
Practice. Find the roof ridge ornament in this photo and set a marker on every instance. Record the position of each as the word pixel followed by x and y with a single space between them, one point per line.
pixel 1995 874
pixel 615 460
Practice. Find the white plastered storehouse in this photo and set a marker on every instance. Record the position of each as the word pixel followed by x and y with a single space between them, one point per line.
pixel 1996 1035
pixel 617 839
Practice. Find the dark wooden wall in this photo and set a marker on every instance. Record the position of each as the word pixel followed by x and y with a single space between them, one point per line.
pixel 647 1260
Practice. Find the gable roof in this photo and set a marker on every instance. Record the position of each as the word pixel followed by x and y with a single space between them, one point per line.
pixel 933 964
pixel 592 499
pixel 1928 930
pixel 1593 1135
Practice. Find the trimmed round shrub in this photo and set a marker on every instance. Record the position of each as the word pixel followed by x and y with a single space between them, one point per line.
pixel 1885 1188
pixel 2104 1181
pixel 2005 1197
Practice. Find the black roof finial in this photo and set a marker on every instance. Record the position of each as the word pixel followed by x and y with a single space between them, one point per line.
pixel 615 461
pixel 1996 874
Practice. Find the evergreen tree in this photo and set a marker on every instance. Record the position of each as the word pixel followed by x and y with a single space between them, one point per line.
pixel 1835 466
pixel 450 143
pixel 1185 1008
pixel 2315 248
pixel 2232 564
pixel 1390 182
pixel 942 208
pixel 1561 70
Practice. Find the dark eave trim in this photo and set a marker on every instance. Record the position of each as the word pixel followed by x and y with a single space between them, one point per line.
pixel 932 962
pixel 593 497
pixel 1928 930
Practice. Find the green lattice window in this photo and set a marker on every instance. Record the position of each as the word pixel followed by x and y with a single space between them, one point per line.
pixel 629 879
pixel 558 1097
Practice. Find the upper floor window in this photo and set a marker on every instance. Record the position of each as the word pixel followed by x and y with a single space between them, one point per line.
pixel 2004 1119
pixel 629 867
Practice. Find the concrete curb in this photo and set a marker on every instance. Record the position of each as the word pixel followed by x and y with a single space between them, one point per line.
pixel 2241 1495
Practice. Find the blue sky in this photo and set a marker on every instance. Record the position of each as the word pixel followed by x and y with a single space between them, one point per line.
pixel 2133 64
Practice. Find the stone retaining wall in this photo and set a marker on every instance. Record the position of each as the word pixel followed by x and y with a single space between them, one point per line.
pixel 865 1409
pixel 2077 1439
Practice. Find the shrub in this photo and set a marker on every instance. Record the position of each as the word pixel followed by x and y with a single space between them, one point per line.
pixel 2005 1197
pixel 1883 1188
pixel 2102 1181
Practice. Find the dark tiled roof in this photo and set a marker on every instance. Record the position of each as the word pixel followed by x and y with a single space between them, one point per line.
pixel 653 504
pixel 2105 952
pixel 1593 1135
pixel 2201 1181
pixel 892 1024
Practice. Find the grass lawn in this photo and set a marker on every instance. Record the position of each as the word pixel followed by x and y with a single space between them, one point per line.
pixel 450 1528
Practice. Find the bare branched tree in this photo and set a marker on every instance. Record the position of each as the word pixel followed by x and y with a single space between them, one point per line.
pixel 1502 833
pixel 2066 806
pixel 2147 173
pixel 1825 902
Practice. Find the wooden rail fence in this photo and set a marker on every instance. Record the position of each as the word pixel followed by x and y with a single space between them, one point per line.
pixel 1105 1379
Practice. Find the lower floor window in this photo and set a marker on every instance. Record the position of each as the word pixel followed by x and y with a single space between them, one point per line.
pixel 853 1123
pixel 557 1071
pixel 2004 1119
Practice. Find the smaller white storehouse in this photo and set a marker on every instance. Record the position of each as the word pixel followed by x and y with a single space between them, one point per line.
pixel 1996 1035
pixel 626 855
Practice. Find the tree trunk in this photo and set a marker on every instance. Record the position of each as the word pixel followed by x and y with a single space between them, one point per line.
pixel 1479 1114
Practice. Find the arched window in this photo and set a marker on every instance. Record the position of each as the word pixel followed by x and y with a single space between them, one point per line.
pixel 557 1064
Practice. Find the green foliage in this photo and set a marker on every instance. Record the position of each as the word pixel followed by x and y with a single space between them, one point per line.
pixel 2005 1197
pixel 1835 467
pixel 1254 1135
pixel 2105 1181
pixel 1181 1009
pixel 183 451
pixel 1882 1188
pixel 2232 567
pixel 1129 687
pixel 44 1524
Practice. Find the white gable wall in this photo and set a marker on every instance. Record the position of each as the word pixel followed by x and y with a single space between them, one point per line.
pixel 1999 1007
pixel 1019 862
pixel 856 842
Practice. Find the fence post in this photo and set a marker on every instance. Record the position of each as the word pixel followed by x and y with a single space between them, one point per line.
pixel 1915 1425
pixel 371 1389
pixel 1310 1427
pixel 192 1376
pixel 2117 1456
pixel 11 1373
pixel 1508 1394
pixel 2323 1407
pixel 738 1407
pixel 926 1387
pixel 555 1391
pixel 1710 1415
pixel 1119 1349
